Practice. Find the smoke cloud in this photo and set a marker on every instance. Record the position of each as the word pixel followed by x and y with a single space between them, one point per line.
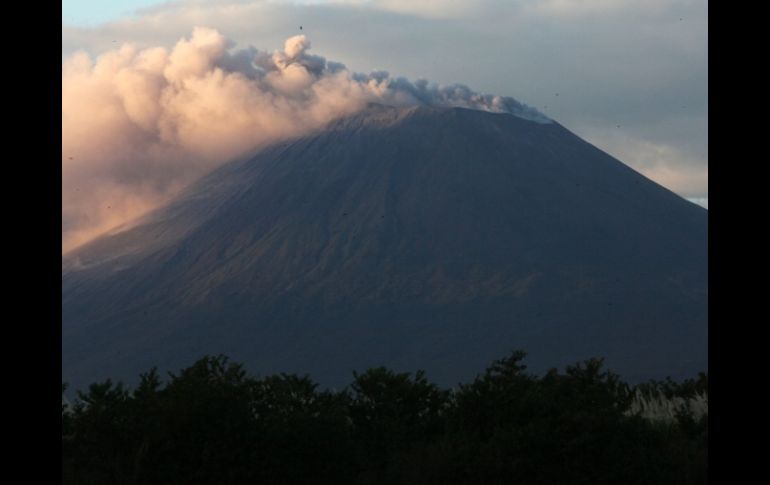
pixel 139 125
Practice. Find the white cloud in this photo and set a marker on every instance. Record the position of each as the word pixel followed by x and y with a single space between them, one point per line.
pixel 630 63
pixel 138 124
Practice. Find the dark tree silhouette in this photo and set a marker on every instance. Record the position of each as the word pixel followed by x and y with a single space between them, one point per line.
pixel 212 423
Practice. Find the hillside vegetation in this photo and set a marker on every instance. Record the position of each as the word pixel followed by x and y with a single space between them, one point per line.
pixel 213 423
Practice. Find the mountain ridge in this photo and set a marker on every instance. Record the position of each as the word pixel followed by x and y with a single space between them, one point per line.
pixel 391 231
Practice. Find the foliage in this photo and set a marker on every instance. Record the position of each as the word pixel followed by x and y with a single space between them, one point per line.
pixel 214 423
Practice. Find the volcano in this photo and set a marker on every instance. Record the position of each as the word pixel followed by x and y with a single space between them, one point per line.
pixel 415 238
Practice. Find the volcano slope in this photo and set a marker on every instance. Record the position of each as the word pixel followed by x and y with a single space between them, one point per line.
pixel 415 238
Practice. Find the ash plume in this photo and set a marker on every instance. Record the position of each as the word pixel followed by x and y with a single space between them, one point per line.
pixel 140 124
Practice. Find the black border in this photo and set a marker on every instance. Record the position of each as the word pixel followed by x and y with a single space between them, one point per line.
pixel 32 324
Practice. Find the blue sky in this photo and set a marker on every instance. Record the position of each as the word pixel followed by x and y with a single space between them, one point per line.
pixel 91 12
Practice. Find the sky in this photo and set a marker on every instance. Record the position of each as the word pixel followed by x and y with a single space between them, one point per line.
pixel 629 77
pixel 94 12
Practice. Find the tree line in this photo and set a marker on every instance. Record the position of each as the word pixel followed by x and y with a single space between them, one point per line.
pixel 213 423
